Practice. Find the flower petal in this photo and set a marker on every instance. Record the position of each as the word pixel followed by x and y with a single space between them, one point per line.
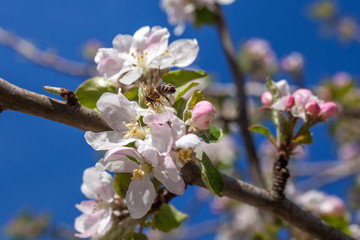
pixel 149 153
pixel 122 43
pixel 98 184
pixel 157 43
pixel 184 51
pixel 105 223
pixel 104 140
pixel 116 160
pixel 176 187
pixel 188 141
pixel 87 225
pixel 87 206
pixel 161 138
pixel 131 76
pixel 115 109
pixel 140 196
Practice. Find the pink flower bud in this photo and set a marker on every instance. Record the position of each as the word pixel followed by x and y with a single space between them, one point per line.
pixel 301 95
pixel 203 114
pixel 328 110
pixel 266 99
pixel 312 108
pixel 290 103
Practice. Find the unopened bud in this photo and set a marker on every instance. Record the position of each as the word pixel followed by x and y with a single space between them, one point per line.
pixel 203 114
pixel 290 103
pixel 328 109
pixel 312 108
pixel 266 99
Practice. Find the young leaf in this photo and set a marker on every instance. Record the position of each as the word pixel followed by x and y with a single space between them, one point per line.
pixel 196 97
pixel 180 105
pixel 213 135
pixel 132 94
pixel 122 181
pixel 180 77
pixel 89 92
pixel 204 16
pixel 178 95
pixel 305 138
pixel 271 86
pixel 211 176
pixel 260 129
pixel 168 218
pixel 340 223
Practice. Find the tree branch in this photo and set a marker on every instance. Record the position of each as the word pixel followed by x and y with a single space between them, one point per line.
pixel 45 58
pixel 242 120
pixel 18 99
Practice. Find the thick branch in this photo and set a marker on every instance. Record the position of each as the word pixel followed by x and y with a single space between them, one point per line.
pixel 15 98
pixel 21 100
pixel 242 120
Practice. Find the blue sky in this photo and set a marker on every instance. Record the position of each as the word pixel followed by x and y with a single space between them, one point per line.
pixel 42 161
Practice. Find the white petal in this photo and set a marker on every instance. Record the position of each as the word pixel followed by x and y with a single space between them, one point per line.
pixel 104 140
pixel 122 43
pixel 105 223
pixel 117 161
pixel 283 87
pixel 161 138
pixel 131 76
pixel 86 207
pixel 157 43
pixel 188 141
pixel 178 127
pixel 140 196
pixel 98 184
pixel 184 51
pixel 139 39
pixel 156 118
pixel 172 170
pixel 280 104
pixel 177 187
pixel 115 109
pixel 104 53
pixel 86 225
pixel 148 152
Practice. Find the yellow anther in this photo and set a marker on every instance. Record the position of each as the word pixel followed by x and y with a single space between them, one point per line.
pixel 139 173
pixel 185 155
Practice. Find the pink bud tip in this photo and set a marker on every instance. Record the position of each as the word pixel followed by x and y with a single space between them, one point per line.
pixel 266 99
pixel 290 103
pixel 203 114
pixel 328 109
pixel 312 108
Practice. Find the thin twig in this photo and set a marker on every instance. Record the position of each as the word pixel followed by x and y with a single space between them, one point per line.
pixel 239 80
pixel 15 98
pixel 45 58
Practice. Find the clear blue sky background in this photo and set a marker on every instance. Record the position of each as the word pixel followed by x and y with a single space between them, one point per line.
pixel 42 161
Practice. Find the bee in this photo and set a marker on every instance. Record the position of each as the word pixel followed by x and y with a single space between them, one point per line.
pixel 153 93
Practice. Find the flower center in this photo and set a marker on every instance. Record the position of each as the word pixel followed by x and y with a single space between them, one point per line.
pixel 140 58
pixel 185 155
pixel 135 129
pixel 139 173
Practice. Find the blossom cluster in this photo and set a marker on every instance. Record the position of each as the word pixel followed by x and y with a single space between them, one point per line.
pixel 148 139
pixel 301 104
pixel 180 11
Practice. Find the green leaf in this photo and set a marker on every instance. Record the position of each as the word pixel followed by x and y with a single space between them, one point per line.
pixel 122 181
pixel 339 223
pixel 305 138
pixel 260 129
pixel 211 176
pixel 89 92
pixel 196 97
pixel 178 95
pixel 271 86
pixel 135 236
pixel 168 218
pixel 213 135
pixel 204 16
pixel 132 94
pixel 180 77
pixel 180 105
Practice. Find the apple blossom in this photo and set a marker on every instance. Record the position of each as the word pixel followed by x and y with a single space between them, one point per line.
pixel 134 56
pixel 266 99
pixel 141 192
pixel 328 109
pixel 341 79
pixel 312 108
pixel 96 219
pixel 202 114
pixel 293 62
pixel 180 11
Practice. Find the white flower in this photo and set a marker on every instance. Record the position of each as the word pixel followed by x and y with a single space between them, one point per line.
pixel 180 11
pixel 96 219
pixel 294 62
pixel 133 56
pixel 141 192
